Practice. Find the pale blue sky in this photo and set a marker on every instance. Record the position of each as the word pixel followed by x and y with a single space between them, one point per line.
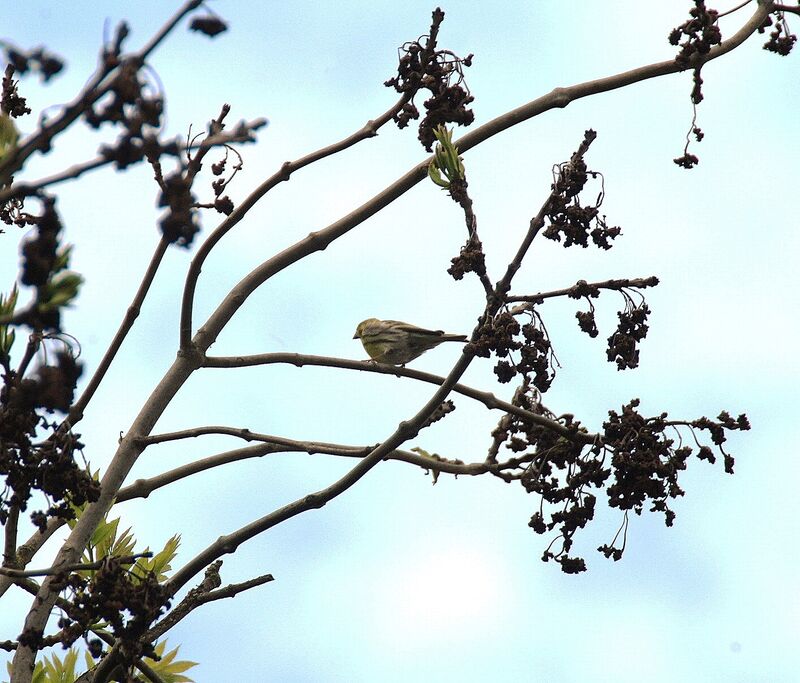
pixel 399 580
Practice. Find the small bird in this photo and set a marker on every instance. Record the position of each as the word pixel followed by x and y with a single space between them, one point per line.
pixel 397 343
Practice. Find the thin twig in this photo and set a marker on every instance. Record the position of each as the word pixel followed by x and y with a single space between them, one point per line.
pixel 537 222
pixel 142 488
pixel 734 9
pixel 487 398
pixel 405 431
pixel 81 566
pixel 615 284
pixel 26 189
pixel 197 598
pixel 28 550
pixel 76 411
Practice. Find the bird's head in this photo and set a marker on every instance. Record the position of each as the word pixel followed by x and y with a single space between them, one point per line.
pixel 362 326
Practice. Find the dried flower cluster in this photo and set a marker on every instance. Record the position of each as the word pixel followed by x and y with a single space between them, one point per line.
pixel 568 218
pixel 127 602
pixel 423 67
pixel 781 39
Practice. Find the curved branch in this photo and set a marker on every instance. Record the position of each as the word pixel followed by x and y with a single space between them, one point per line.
pixel 537 222
pixel 28 550
pixel 370 129
pixel 487 398
pixel 26 189
pixel 142 488
pixel 76 411
pixel 560 97
pixel 198 597
pixel 80 566
pixel 167 28
pixel 405 431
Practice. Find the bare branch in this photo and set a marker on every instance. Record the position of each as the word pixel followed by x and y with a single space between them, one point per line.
pixel 563 96
pixel 537 222
pixel 10 545
pixel 370 129
pixel 614 284
pixel 487 398
pixel 28 550
pixel 201 595
pixel 405 431
pixel 142 488
pixel 734 9
pixel 84 566
pixel 76 411
pixel 165 30
pixel 26 189
pixel 787 8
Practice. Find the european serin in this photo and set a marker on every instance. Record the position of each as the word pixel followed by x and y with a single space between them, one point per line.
pixel 397 343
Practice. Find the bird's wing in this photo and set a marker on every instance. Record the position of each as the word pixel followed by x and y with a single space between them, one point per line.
pixel 406 327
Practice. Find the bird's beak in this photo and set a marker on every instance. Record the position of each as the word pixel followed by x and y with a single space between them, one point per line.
pixel 355 336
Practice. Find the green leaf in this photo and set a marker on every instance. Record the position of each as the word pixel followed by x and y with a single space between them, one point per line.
pixel 39 674
pixel 445 156
pixel 8 135
pixel 7 305
pixel 436 176
pixel 9 302
pixel 169 670
pixel 62 258
pixel 159 564
pixel 104 542
pixel 59 291
pixel 57 671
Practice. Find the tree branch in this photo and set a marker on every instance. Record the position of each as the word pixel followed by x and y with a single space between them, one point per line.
pixel 200 596
pixel 574 291
pixel 80 566
pixel 26 189
pixel 561 97
pixel 76 410
pixel 405 430
pixel 370 129
pixel 537 222
pixel 28 550
pixel 487 398
pixel 142 488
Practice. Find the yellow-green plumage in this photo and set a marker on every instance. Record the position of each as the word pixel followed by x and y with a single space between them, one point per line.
pixel 396 343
